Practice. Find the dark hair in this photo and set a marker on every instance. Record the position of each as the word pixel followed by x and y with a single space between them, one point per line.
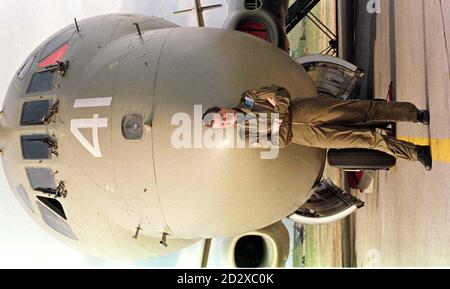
pixel 207 120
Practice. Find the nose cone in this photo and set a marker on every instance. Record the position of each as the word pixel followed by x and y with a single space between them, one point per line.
pixel 9 116
pixel 88 201
pixel 2 133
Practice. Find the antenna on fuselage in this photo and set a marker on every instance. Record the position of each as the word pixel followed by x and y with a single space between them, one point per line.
pixel 76 25
pixel 138 29
pixel 199 11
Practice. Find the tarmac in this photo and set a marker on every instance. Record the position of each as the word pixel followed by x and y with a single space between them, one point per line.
pixel 406 220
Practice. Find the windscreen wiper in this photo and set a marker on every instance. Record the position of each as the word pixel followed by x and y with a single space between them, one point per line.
pixel 60 66
pixel 60 190
pixel 48 191
pixel 48 141
pixel 51 113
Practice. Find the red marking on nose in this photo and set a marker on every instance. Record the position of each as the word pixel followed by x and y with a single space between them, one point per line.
pixel 56 56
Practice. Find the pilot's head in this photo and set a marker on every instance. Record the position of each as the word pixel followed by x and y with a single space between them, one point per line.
pixel 219 117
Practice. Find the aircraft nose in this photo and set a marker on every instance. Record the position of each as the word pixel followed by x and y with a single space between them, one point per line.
pixel 2 132
pixel 6 136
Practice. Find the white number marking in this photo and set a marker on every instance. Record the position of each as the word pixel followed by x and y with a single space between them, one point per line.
pixel 92 102
pixel 95 123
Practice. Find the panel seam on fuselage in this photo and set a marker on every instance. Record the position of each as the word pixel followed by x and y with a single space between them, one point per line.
pixel 152 135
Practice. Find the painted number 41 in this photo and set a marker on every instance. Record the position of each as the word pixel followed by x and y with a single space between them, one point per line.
pixel 93 123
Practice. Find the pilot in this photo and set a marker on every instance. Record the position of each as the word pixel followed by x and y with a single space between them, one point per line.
pixel 322 122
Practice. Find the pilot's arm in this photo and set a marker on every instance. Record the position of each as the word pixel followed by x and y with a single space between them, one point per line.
pixel 275 97
pixel 280 137
pixel 270 99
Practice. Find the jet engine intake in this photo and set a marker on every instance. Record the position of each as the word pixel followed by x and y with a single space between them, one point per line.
pixel 262 18
pixel 265 248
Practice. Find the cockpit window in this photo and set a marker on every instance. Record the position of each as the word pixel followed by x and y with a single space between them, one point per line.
pixel 54 205
pixel 25 67
pixel 55 222
pixel 41 179
pixel 37 147
pixel 56 43
pixel 35 112
pixel 41 81
pixel 24 196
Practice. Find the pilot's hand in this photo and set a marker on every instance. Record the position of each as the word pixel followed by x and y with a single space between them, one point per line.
pixel 256 145
pixel 276 125
pixel 277 122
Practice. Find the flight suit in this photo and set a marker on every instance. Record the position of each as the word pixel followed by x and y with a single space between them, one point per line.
pixel 326 122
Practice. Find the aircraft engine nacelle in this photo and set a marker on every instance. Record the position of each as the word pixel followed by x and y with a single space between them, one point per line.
pixel 265 248
pixel 262 18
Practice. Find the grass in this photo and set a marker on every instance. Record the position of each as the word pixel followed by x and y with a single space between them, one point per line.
pixel 306 38
pixel 321 247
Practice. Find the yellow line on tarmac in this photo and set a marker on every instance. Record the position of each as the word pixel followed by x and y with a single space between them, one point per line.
pixel 440 147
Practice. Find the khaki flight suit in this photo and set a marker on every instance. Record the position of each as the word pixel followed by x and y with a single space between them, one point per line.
pixel 327 123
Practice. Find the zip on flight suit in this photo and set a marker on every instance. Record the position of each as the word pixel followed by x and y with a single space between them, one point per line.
pixel 324 122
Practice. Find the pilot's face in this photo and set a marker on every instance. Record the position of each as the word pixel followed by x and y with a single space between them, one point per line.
pixel 223 119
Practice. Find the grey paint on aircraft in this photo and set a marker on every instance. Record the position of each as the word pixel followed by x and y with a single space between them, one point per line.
pixel 148 184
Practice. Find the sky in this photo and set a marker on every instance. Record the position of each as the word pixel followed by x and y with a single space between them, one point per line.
pixel 24 25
